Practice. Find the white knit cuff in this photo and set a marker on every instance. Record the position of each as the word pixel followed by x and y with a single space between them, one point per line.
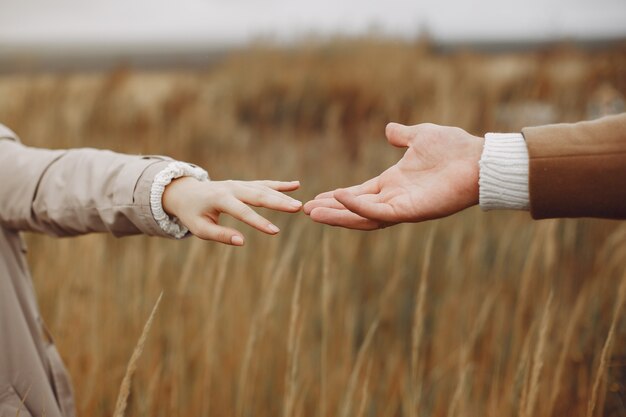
pixel 171 225
pixel 503 179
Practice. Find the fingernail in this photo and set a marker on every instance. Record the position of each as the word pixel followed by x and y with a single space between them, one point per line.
pixel 296 203
pixel 272 228
pixel 236 240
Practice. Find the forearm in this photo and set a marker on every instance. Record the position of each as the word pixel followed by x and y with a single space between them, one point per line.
pixel 71 192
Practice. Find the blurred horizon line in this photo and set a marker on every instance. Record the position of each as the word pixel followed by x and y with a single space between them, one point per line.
pixel 75 56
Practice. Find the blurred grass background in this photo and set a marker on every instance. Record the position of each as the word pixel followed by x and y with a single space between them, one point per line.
pixel 381 325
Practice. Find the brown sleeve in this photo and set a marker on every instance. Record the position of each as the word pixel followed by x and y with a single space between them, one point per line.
pixel 578 170
pixel 78 191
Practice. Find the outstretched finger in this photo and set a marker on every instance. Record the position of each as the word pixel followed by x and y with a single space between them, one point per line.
pixel 279 185
pixel 262 196
pixel 322 202
pixel 366 207
pixel 343 218
pixel 207 230
pixel 242 212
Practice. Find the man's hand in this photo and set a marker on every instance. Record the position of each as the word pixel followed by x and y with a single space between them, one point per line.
pixel 436 177
pixel 198 205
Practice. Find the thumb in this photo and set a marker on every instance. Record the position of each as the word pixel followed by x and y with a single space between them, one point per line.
pixel 399 135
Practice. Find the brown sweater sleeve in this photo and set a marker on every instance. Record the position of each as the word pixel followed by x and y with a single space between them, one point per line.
pixel 578 170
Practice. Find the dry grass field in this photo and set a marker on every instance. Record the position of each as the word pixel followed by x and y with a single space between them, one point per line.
pixel 478 314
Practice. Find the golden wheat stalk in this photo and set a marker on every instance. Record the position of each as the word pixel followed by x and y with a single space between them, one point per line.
pixel 122 398
pixel 522 373
pixel 358 364
pixel 291 373
pixel 567 342
pixel 325 324
pixel 606 350
pixel 364 390
pixel 524 299
pixel 218 290
pixel 189 265
pixel 538 357
pixel 464 363
pixel 419 315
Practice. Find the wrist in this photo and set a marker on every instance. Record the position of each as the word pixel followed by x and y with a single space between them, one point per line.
pixel 165 213
pixel 477 144
pixel 174 195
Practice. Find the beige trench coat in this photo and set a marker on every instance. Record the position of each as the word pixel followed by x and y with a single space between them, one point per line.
pixel 60 193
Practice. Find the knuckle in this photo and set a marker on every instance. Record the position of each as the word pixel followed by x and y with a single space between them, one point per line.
pixel 222 236
pixel 218 193
pixel 258 195
pixel 245 212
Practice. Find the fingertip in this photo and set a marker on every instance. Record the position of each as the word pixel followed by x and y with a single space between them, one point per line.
pixel 292 185
pixel 290 207
pixel 295 205
pixel 237 240
pixel 313 214
pixel 342 194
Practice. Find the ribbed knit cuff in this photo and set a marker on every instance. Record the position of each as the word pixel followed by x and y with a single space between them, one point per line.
pixel 171 225
pixel 503 179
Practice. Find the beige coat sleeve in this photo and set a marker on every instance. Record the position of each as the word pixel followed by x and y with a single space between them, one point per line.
pixel 578 170
pixel 73 192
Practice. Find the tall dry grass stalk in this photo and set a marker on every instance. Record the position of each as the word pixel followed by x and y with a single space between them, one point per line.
pixel 557 380
pixel 457 402
pixel 607 349
pixel 538 358
pixel 346 410
pixel 365 390
pixel 523 374
pixel 325 305
pixel 122 398
pixel 291 374
pixel 417 331
pixel 218 289
pixel 256 328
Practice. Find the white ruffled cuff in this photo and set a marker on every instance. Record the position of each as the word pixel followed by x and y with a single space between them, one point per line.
pixel 503 180
pixel 171 225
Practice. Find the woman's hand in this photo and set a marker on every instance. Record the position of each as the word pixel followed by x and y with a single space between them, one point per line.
pixel 198 205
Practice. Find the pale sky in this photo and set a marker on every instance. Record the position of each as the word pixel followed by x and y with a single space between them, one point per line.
pixel 115 23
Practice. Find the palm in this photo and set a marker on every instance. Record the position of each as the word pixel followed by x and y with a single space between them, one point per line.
pixel 436 177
